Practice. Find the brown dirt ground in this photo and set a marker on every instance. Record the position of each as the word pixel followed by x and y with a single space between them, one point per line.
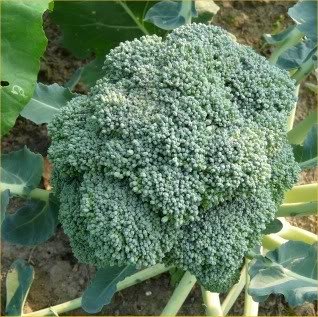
pixel 58 275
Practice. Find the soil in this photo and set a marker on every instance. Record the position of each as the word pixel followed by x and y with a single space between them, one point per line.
pixel 58 275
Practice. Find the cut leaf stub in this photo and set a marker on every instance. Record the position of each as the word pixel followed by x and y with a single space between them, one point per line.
pixel 290 270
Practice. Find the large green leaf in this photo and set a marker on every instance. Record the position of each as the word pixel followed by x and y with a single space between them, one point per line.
pixel 169 15
pixel 21 171
pixel 22 44
pixel 96 26
pixel 296 55
pixel 304 13
pixel 18 283
pixel 290 270
pixel 93 71
pixel 31 224
pixel 306 154
pixel 103 287
pixel 46 102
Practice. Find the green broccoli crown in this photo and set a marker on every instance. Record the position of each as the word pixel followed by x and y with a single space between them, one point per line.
pixel 177 155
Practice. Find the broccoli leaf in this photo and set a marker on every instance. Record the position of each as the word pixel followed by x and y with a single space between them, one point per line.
pixel 21 171
pixel 275 39
pixel 306 154
pixel 5 198
pixel 295 56
pixel 21 49
pixel 304 13
pixel 103 287
pixel 31 224
pixel 169 15
pixel 290 270
pixel 18 283
pixel 103 24
pixel 92 71
pixel 46 102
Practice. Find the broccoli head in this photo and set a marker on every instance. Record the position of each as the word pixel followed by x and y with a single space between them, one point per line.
pixel 178 155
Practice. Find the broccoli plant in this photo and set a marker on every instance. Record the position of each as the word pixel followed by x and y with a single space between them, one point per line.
pixel 182 155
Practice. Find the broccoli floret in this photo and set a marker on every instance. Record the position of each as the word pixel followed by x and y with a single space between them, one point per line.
pixel 118 226
pixel 178 155
pixel 213 247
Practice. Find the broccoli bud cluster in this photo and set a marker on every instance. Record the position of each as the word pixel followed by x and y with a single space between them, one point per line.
pixel 178 155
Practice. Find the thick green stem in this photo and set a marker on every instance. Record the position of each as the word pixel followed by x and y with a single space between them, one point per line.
pixel 304 70
pixel 179 295
pixel 58 309
pixel 127 282
pixel 212 303
pixel 298 133
pixel 293 38
pixel 290 232
pixel 40 194
pixel 234 292
pixel 301 193
pixel 18 190
pixel 291 117
pixel 272 241
pixel 250 307
pixel 298 209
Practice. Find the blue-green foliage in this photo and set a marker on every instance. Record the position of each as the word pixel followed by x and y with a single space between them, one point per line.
pixel 304 13
pixel 178 155
pixel 169 15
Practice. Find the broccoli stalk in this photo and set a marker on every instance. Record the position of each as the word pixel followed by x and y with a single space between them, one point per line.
pixel 17 190
pixel 250 306
pixel 212 303
pixel 179 295
pixel 234 292
pixel 298 209
pixel 301 193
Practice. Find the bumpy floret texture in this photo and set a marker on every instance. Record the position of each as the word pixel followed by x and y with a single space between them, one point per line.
pixel 178 155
